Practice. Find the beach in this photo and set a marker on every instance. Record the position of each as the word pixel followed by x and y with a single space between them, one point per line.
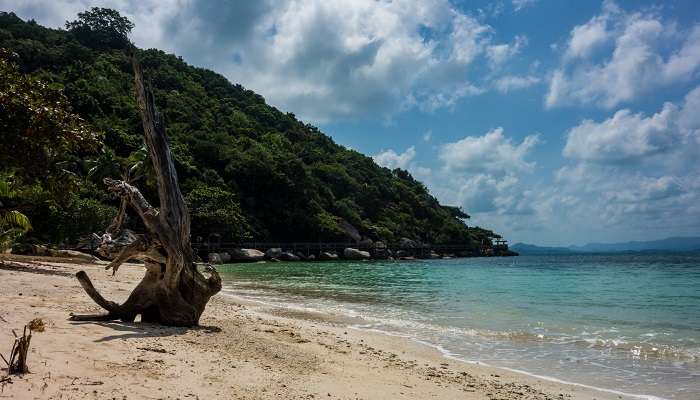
pixel 241 350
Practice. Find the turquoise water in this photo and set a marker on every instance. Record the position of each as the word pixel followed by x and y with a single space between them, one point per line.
pixel 629 323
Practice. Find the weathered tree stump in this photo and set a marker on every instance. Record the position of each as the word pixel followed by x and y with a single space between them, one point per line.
pixel 172 292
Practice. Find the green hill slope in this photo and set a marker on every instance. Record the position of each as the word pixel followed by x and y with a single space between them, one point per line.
pixel 249 171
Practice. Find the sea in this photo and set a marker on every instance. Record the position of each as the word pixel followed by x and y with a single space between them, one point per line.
pixel 626 323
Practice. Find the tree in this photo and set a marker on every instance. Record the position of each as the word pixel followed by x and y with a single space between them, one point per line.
pixel 13 223
pixel 37 127
pixel 101 28
pixel 173 291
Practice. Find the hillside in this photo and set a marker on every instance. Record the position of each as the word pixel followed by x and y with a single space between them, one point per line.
pixel 248 170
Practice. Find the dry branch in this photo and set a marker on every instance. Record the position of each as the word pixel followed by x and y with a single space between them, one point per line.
pixel 173 291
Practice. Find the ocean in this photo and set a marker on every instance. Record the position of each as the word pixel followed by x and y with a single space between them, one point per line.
pixel 628 323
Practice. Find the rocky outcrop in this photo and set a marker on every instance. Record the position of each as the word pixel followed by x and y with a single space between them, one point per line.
pixel 349 230
pixel 287 256
pixel 219 258
pixel 274 252
pixel 355 254
pixel 408 243
pixel 327 256
pixel 247 255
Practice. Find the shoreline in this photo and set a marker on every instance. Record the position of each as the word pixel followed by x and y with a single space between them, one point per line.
pixel 241 350
pixel 450 356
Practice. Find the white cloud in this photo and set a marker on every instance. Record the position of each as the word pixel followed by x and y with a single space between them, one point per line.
pixel 585 38
pixel 391 159
pixel 498 54
pixel 634 62
pixel 492 152
pixel 624 136
pixel 321 60
pixel 509 83
pixel 427 136
pixel 628 137
pixel 636 172
pixel 521 4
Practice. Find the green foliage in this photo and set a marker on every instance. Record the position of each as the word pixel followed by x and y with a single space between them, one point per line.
pixel 246 169
pixel 102 28
pixel 13 224
pixel 216 210
pixel 38 130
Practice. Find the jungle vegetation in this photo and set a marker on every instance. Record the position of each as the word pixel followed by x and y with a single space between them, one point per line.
pixel 68 118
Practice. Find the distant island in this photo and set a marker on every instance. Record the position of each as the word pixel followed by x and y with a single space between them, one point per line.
pixel 672 244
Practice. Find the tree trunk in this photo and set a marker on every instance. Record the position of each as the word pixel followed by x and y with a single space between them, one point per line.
pixel 173 291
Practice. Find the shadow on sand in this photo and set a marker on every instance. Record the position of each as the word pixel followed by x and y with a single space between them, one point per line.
pixel 135 330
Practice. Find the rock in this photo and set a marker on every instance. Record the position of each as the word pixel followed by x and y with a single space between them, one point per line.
pixel 402 254
pixel 327 256
pixel 311 257
pixel 214 258
pixel 301 255
pixel 247 255
pixel 355 254
pixel 219 258
pixel 380 251
pixel 274 252
pixel 408 243
pixel 349 230
pixel 287 256
pixel 434 256
pixel 366 243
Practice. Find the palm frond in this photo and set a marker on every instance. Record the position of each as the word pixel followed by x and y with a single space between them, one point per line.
pixel 15 219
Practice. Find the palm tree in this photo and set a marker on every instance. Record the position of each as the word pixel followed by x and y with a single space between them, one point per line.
pixel 13 223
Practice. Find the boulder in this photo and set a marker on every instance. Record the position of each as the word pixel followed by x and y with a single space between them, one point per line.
pixel 214 258
pixel 327 256
pixel 355 254
pixel 287 256
pixel 349 230
pixel 366 243
pixel 402 254
pixel 219 258
pixel 247 255
pixel 311 257
pixel 274 252
pixel 408 243
pixel 434 256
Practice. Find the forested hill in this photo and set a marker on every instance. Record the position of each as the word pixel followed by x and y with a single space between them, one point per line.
pixel 249 171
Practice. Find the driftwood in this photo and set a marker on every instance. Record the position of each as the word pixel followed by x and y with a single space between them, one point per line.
pixel 172 292
pixel 17 364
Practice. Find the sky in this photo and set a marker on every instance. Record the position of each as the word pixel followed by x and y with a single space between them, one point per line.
pixel 550 122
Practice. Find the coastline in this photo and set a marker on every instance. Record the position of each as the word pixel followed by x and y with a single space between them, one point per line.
pixel 243 349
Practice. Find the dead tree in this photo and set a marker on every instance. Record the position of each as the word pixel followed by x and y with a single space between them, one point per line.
pixel 172 292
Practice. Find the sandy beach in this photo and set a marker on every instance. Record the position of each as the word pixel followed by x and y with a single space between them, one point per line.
pixel 242 350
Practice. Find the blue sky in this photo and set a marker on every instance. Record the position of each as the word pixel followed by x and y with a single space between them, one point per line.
pixel 551 122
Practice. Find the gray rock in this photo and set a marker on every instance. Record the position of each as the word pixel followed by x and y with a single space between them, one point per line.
pixel 349 230
pixel 406 242
pixel 247 255
pixel 327 256
pixel 287 256
pixel 214 258
pixel 274 252
pixel 355 254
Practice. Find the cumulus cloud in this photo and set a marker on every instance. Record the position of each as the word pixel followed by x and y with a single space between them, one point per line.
pixel 637 171
pixel 631 137
pixel 492 152
pixel 391 159
pixel 321 60
pixel 634 60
